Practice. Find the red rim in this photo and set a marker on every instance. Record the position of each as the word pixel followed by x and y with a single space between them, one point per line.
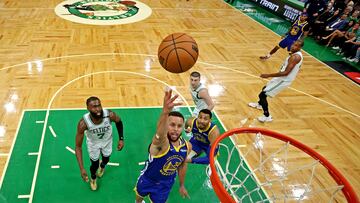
pixel 224 196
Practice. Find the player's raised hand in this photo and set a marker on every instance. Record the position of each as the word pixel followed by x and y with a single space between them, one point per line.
pixel 183 192
pixel 169 102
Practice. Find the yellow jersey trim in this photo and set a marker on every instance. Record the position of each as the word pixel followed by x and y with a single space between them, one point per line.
pixel 163 154
pixel 182 143
pixel 207 128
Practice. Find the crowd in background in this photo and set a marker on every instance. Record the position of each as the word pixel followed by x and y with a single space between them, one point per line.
pixel 335 23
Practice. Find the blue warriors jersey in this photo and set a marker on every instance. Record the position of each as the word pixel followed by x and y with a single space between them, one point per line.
pixel 199 135
pixel 297 29
pixel 164 166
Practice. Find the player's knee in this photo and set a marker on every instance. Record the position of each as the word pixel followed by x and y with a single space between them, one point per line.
pixel 104 161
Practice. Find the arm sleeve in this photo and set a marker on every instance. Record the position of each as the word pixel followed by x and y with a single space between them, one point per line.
pixel 120 129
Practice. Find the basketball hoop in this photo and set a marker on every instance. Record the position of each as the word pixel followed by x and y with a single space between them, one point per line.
pixel 282 171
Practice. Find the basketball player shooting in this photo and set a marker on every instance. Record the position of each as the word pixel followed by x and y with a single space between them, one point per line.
pixel 280 81
pixel 167 154
pixel 96 125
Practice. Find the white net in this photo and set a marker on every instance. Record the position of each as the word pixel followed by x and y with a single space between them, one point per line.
pixel 259 168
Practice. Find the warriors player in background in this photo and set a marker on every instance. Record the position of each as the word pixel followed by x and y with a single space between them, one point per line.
pixel 199 94
pixel 299 30
pixel 204 133
pixel 96 125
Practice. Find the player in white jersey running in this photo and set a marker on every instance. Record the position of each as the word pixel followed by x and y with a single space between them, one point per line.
pixel 96 125
pixel 200 94
pixel 280 81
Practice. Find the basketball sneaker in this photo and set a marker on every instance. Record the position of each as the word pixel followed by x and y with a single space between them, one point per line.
pixel 100 172
pixel 255 105
pixel 264 118
pixel 93 184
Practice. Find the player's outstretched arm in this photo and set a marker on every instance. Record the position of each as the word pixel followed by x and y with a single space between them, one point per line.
pixel 78 148
pixel 120 128
pixel 293 60
pixel 160 141
pixel 204 94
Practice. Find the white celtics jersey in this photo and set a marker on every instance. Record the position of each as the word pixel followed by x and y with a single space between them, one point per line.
pixel 292 75
pixel 98 133
pixel 200 103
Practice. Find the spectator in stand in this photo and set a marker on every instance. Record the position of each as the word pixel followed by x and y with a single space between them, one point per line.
pixel 349 3
pixel 338 24
pixel 355 16
pixel 350 47
pixel 328 12
pixel 340 37
pixel 339 4
pixel 314 8
pixel 357 57
pixel 323 20
pixel 348 10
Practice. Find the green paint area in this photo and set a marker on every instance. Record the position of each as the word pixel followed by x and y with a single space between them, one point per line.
pixel 64 184
pixel 281 26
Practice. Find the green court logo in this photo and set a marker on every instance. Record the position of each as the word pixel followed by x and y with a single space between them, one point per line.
pixel 103 12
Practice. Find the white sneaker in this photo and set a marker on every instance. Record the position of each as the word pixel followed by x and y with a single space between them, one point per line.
pixel 93 184
pixel 100 172
pixel 264 118
pixel 336 48
pixel 255 105
pixel 354 60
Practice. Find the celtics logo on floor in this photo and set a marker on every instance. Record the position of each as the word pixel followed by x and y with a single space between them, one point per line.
pixel 103 12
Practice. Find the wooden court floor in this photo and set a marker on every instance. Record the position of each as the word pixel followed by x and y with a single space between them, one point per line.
pixel 48 62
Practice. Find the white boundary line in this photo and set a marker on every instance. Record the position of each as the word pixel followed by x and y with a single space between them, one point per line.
pixel 113 164
pixel 39 122
pixel 33 153
pixel 239 151
pixel 11 149
pixel 55 166
pixel 4 154
pixel 23 196
pixel 302 49
pixel 52 131
pixel 70 150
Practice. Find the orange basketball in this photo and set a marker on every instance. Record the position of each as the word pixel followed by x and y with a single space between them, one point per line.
pixel 178 52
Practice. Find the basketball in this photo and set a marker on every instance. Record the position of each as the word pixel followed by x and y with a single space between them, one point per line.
pixel 178 52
